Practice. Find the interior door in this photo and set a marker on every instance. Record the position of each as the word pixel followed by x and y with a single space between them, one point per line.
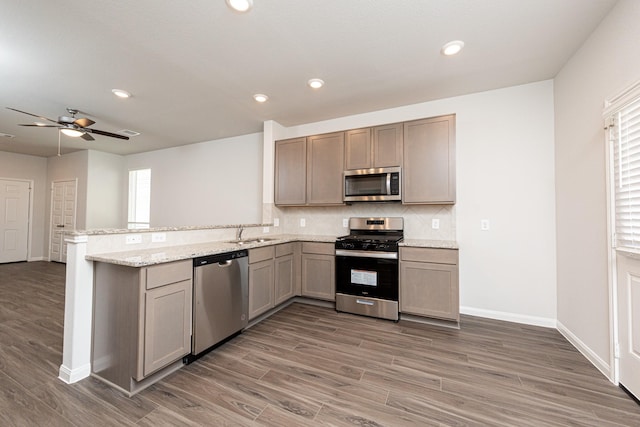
pixel 628 272
pixel 63 217
pixel 14 220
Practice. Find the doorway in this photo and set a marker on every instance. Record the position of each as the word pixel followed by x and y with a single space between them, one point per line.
pixel 63 217
pixel 15 209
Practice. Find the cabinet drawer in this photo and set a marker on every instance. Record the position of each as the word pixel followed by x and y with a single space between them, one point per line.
pixel 284 249
pixel 165 274
pixel 318 248
pixel 437 256
pixel 261 254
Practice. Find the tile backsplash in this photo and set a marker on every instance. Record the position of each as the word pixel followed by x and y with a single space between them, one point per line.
pixel 329 220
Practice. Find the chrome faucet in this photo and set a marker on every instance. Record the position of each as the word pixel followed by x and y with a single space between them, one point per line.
pixel 239 233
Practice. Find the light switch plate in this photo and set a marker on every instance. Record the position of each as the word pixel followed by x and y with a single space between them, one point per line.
pixel 484 225
pixel 303 222
pixel 435 223
pixel 276 222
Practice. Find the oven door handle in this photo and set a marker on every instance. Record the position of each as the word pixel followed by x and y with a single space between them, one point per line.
pixel 367 254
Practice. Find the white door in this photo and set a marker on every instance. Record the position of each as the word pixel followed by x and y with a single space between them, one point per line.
pixel 628 271
pixel 14 220
pixel 63 217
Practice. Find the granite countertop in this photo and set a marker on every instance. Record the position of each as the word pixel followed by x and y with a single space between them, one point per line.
pixel 425 243
pixel 146 257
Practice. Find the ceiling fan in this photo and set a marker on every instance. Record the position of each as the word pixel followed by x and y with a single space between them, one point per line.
pixel 71 126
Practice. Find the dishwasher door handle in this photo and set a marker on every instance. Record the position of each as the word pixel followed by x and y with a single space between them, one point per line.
pixel 226 263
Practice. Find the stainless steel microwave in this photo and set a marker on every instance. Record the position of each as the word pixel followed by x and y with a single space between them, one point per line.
pixel 373 185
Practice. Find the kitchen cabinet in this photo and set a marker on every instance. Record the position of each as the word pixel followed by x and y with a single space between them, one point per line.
pixel 318 270
pixel 261 280
pixel 308 171
pixel 271 277
pixel 376 147
pixel 325 165
pixel 142 321
pixel 291 172
pixel 429 282
pixel 429 175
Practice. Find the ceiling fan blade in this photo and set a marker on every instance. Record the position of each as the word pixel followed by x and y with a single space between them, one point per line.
pixel 83 122
pixel 34 115
pixel 87 137
pixel 40 126
pixel 101 132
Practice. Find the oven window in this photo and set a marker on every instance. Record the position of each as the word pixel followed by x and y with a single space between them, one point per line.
pixel 363 277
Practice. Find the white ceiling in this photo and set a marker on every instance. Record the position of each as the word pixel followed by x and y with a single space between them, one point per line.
pixel 193 66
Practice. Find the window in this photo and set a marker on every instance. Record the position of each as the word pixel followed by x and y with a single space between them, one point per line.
pixel 139 198
pixel 624 133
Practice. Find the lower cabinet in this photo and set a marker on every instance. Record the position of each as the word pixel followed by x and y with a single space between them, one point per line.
pixel 142 320
pixel 319 270
pixel 429 282
pixel 271 277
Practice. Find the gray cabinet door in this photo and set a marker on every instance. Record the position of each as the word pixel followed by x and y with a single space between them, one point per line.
pixel 318 276
pixel 387 145
pixel 167 331
pixel 429 161
pixel 357 149
pixel 291 172
pixel 284 277
pixel 260 287
pixel 325 165
pixel 429 290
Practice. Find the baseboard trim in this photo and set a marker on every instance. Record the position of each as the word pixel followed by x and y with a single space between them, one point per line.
pixel 71 376
pixel 510 317
pixel 595 360
pixel 37 258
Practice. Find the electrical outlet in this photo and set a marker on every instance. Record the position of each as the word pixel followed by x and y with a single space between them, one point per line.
pixel 303 222
pixel 158 237
pixel 345 222
pixel 276 222
pixel 265 229
pixel 484 225
pixel 133 238
pixel 435 223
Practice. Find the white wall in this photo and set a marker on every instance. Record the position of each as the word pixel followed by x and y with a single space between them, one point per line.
pixel 209 183
pixel 106 191
pixel 20 166
pixel 608 62
pixel 505 173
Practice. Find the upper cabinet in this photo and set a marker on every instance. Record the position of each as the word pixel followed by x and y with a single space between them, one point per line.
pixel 376 147
pixel 325 165
pixel 291 172
pixel 429 173
pixel 308 171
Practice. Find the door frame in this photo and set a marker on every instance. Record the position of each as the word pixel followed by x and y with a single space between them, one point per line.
pixel 75 212
pixel 29 214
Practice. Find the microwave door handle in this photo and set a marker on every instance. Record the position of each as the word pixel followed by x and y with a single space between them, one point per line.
pixel 389 184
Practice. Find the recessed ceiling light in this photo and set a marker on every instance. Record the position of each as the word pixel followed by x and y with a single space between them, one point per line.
pixel 315 83
pixel 452 48
pixel 240 5
pixel 120 93
pixel 260 97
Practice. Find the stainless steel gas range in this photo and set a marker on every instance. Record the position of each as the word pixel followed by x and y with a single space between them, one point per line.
pixel 367 267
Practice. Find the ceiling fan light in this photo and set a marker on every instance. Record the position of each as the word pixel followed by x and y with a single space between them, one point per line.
pixel 121 93
pixel 315 83
pixel 452 48
pixel 74 133
pixel 240 5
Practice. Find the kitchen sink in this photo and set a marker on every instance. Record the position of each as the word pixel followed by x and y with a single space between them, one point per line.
pixel 254 240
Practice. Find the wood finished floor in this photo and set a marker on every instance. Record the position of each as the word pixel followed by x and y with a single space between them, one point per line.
pixel 308 366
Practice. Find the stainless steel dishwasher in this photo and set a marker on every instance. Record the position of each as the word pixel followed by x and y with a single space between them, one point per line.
pixel 220 300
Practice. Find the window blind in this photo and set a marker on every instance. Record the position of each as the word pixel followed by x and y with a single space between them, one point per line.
pixel 625 135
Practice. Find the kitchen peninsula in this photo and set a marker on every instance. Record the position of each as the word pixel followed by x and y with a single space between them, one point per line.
pixel 163 246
